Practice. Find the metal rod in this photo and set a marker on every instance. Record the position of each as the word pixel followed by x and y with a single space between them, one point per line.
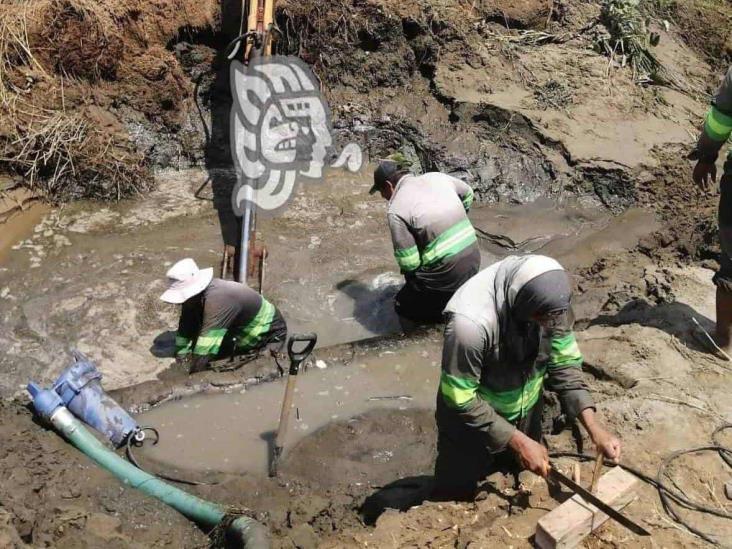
pixel 245 232
pixel 225 262
pixel 262 266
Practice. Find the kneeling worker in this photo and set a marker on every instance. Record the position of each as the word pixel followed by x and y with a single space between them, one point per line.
pixel 219 318
pixel 509 330
pixel 434 243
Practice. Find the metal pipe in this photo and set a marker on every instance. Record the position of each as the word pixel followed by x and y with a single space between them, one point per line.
pixel 245 232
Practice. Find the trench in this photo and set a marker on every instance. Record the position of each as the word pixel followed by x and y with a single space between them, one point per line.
pixel 330 270
pixel 330 273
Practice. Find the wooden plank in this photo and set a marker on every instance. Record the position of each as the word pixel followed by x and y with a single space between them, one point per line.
pixel 567 525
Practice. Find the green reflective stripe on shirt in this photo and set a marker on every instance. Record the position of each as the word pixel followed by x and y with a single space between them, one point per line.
pixel 452 241
pixel 250 334
pixel 565 351
pixel 468 199
pixel 209 342
pixel 515 403
pixel 718 125
pixel 183 345
pixel 407 259
pixel 457 391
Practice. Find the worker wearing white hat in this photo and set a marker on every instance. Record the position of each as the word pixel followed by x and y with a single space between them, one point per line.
pixel 219 318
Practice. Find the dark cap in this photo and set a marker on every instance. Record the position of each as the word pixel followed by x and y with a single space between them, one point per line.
pixel 382 173
pixel 393 164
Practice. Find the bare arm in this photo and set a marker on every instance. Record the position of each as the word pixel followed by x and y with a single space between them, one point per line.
pixel 605 441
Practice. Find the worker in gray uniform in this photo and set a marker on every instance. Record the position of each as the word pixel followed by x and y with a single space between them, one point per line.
pixel 508 334
pixel 435 245
pixel 717 130
pixel 219 319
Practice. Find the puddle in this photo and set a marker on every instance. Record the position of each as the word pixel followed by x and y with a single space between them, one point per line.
pixel 233 432
pixel 20 226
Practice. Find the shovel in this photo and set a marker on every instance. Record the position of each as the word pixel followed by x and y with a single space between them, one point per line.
pixel 296 359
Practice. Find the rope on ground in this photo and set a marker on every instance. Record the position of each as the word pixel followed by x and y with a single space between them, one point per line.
pixel 670 496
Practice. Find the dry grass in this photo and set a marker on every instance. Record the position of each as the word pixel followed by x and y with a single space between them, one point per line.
pixel 59 152
pixel 15 50
pixel 64 157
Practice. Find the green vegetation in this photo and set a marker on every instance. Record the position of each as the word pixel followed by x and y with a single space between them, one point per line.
pixel 630 38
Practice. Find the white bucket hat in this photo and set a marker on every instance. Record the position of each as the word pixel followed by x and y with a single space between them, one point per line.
pixel 185 280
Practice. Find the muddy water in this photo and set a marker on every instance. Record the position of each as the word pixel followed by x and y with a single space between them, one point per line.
pixel 90 275
pixel 20 226
pixel 331 271
pixel 233 432
pixel 331 267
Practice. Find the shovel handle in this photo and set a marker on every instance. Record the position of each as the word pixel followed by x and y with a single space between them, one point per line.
pixel 296 357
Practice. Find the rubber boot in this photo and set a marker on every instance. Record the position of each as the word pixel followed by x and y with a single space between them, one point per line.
pixel 723 335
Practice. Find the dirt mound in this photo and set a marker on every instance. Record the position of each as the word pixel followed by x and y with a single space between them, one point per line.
pixel 79 41
pixel 706 25
pixel 538 109
pixel 78 78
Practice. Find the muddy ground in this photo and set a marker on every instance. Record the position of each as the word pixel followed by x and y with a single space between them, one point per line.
pixel 567 154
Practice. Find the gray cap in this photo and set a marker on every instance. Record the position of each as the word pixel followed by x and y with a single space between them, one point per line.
pixel 384 171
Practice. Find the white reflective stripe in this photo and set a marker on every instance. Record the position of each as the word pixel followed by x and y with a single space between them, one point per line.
pixel 534 266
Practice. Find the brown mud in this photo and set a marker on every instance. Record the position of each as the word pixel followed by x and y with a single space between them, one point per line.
pixel 567 155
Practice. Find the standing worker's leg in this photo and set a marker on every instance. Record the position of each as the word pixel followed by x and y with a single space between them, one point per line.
pixel 723 278
pixel 462 460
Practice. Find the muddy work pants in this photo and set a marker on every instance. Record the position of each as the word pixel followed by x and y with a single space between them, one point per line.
pixel 723 277
pixel 463 459
pixel 427 291
pixel 419 304
pixel 232 356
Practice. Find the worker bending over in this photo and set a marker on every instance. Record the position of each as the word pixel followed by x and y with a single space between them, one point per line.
pixel 219 318
pixel 434 243
pixel 717 129
pixel 490 400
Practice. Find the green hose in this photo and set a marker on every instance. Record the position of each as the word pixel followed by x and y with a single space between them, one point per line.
pixel 241 532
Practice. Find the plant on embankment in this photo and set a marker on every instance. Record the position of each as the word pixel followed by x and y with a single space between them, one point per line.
pixel 629 38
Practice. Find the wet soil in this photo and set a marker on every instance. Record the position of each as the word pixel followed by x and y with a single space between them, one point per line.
pixel 655 385
pixel 92 274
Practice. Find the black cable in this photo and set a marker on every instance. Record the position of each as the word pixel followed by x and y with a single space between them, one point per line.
pixel 131 457
pixel 724 454
pixel 233 47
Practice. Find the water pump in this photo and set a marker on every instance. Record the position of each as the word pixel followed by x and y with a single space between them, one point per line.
pixel 80 390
